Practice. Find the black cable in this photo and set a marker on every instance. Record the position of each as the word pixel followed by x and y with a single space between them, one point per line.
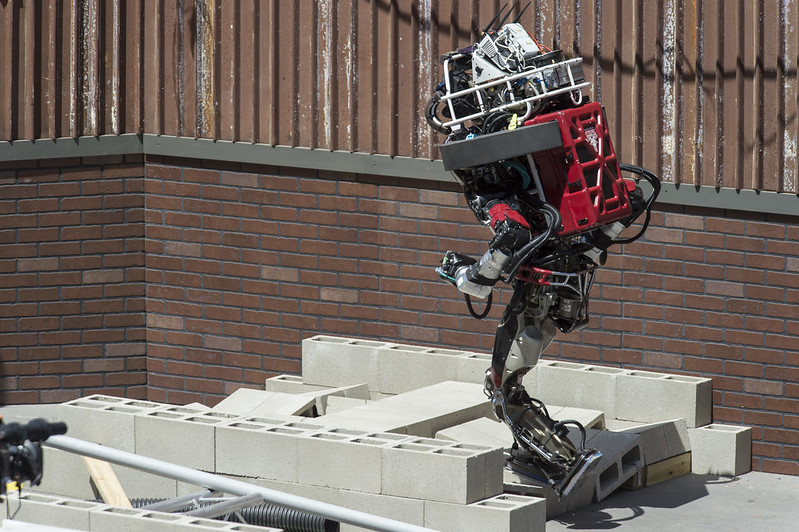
pixel 654 181
pixel 485 310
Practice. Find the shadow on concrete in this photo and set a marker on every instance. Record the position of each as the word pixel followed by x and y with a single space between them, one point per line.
pixel 624 506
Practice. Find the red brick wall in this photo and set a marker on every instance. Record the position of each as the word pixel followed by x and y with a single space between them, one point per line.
pixel 242 263
pixel 71 279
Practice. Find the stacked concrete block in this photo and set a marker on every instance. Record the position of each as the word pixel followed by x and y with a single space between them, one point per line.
pixel 42 509
pixel 65 474
pixel 186 439
pixel 258 447
pixel 421 412
pixel 387 368
pixel 719 449
pixel 577 385
pixel 648 396
pixel 347 459
pixel 106 420
pixel 502 513
pixel 50 510
pixel 436 470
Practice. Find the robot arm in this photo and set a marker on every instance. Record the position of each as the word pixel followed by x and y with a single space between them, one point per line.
pixel 476 277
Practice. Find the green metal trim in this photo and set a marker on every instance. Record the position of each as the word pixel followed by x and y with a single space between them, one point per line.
pixel 343 161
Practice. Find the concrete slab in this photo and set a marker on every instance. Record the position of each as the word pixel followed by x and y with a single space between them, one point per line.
pixel 421 412
pixel 249 402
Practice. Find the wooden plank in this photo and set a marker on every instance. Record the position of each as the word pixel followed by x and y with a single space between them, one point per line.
pixel 661 471
pixel 106 482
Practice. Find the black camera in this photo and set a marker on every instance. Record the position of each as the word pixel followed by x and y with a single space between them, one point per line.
pixel 21 457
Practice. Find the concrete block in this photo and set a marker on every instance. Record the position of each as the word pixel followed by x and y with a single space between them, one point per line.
pixel 53 511
pixel 719 449
pixel 660 441
pixel 578 385
pixel 248 402
pixel 258 447
pixel 340 458
pixel 402 509
pixel 387 368
pixel 501 513
pixel 333 361
pixel 131 520
pixel 105 420
pixel 192 524
pixel 622 458
pixel 402 368
pixel 65 474
pixel 24 413
pixel 437 470
pixel 182 439
pixel 472 367
pixel 648 396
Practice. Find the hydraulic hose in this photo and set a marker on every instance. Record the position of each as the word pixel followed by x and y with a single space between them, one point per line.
pixel 270 515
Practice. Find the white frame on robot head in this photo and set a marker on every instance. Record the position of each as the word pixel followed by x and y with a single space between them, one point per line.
pixel 490 56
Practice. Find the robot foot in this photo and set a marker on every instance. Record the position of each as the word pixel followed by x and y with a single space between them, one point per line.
pixel 562 479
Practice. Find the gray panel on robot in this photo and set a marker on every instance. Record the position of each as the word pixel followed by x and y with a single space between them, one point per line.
pixel 499 146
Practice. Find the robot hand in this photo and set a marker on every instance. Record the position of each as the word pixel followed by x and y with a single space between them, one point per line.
pixel 465 273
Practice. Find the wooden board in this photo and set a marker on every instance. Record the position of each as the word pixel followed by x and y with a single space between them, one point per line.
pixel 661 471
pixel 106 482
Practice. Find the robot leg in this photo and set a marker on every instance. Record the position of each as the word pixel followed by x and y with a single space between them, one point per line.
pixel 542 448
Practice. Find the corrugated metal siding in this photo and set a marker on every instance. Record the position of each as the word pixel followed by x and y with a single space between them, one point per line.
pixel 702 91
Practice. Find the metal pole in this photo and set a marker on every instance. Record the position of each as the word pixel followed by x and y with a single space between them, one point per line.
pixel 228 485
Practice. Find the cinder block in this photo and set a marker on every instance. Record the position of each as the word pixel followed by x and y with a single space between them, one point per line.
pixel 578 385
pixel 132 520
pixel 402 368
pixel 248 402
pixel 648 396
pixel 385 367
pixel 622 458
pixel 65 474
pixel 24 413
pixel 401 509
pixel 501 513
pixel 472 367
pixel 340 458
pixel 332 361
pixel 436 470
pixel 190 524
pixel 660 440
pixel 48 510
pixel 721 449
pixel 105 420
pixel 182 439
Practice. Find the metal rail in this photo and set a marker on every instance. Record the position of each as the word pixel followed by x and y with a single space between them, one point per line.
pixel 227 485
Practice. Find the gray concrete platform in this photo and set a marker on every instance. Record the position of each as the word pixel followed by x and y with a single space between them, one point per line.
pixel 753 501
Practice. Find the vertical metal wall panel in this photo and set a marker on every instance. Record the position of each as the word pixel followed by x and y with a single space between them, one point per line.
pixel 702 91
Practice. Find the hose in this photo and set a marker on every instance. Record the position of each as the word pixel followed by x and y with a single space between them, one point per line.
pixel 271 515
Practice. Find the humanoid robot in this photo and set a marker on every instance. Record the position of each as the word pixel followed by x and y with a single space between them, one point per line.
pixel 537 166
